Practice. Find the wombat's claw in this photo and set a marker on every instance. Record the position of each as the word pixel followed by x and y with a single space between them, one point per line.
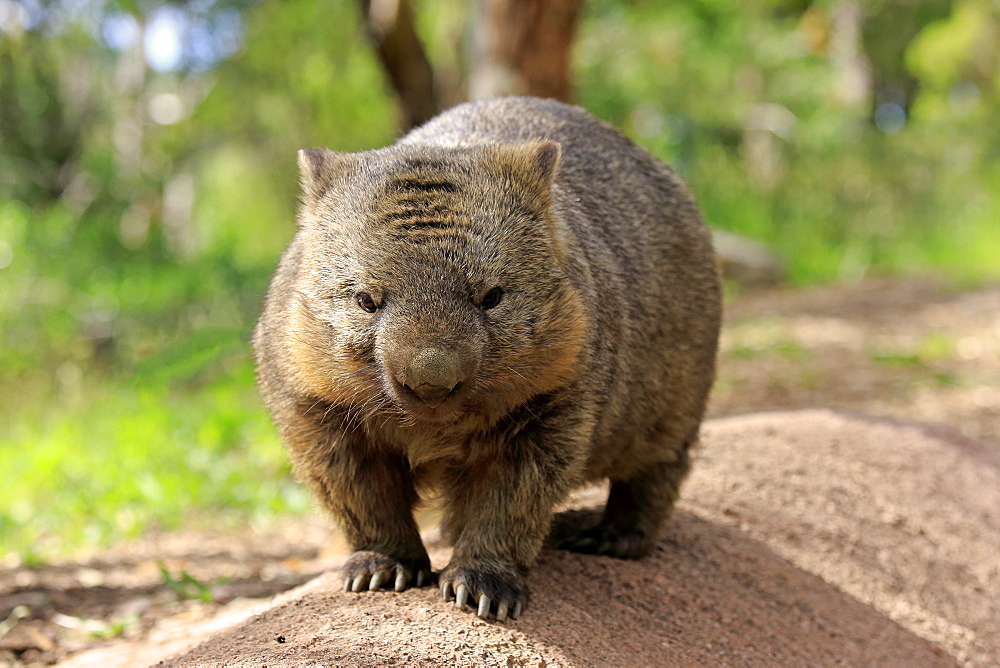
pixel 370 571
pixel 580 543
pixel 608 540
pixel 484 603
pixel 382 577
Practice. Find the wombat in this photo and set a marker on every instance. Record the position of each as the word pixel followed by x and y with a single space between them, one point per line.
pixel 510 301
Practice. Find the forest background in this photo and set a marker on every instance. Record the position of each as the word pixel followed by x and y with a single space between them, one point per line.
pixel 148 186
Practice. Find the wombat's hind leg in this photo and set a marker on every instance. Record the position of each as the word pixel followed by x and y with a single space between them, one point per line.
pixel 637 511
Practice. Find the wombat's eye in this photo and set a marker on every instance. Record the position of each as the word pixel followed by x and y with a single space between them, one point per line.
pixel 492 298
pixel 366 302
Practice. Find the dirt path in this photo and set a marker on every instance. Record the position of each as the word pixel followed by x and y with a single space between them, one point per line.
pixel 909 349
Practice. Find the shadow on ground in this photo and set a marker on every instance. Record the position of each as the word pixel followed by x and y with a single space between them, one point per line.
pixel 709 594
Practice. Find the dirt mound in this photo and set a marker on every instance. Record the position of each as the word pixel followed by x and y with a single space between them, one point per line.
pixel 807 538
pixel 900 515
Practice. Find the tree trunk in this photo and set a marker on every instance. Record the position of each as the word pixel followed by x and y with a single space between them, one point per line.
pixel 523 47
pixel 391 28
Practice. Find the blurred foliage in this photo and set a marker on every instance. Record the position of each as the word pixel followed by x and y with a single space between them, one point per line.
pixel 792 130
pixel 148 184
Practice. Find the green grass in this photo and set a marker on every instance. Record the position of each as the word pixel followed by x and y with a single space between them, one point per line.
pixel 790 349
pixel 141 456
pixel 127 400
pixel 934 346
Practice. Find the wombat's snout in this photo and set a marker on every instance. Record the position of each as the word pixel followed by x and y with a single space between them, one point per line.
pixel 431 375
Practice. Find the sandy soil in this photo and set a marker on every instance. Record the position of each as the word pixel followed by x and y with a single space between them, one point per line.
pixel 807 537
pixel 913 349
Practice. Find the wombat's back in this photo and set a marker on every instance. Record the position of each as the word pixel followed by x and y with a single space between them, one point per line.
pixel 645 266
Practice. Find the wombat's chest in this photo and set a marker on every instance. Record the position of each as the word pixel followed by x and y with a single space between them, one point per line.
pixel 429 448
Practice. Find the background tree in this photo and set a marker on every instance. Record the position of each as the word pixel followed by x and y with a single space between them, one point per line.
pixel 518 47
pixel 524 47
pixel 390 25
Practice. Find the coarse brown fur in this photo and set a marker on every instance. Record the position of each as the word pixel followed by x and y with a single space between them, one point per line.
pixel 510 301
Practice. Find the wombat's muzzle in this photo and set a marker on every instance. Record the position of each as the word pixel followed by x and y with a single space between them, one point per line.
pixel 430 376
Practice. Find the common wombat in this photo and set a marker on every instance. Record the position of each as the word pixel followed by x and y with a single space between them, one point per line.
pixel 510 301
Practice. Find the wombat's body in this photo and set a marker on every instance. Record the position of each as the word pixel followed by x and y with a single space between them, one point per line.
pixel 512 300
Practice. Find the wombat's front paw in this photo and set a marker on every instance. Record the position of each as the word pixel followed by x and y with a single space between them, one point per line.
pixel 502 593
pixel 371 570
pixel 608 539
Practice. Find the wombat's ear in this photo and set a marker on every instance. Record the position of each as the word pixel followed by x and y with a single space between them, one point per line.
pixel 536 163
pixel 547 154
pixel 532 164
pixel 317 169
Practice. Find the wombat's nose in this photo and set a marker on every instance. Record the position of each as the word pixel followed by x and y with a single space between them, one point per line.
pixel 432 374
pixel 432 395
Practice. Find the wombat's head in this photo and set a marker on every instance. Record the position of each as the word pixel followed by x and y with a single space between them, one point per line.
pixel 434 285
